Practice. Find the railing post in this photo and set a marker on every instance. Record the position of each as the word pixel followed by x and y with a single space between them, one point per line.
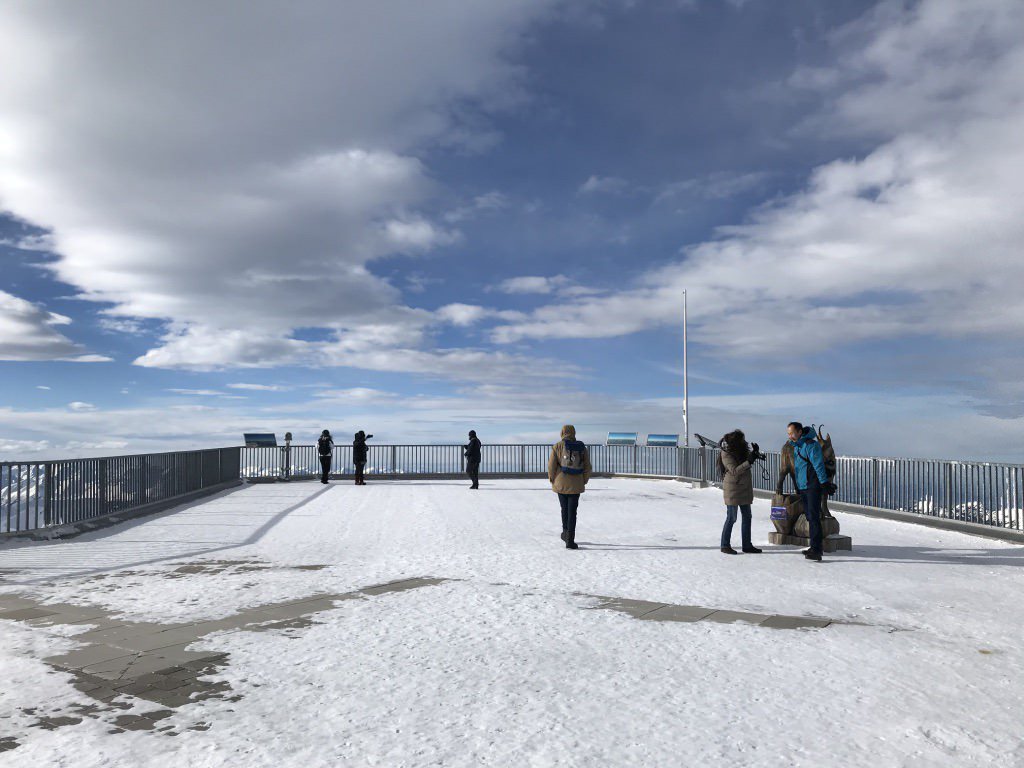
pixel 143 481
pixel 47 493
pixel 636 451
pixel 874 482
pixel 394 459
pixel 103 485
pixel 703 464
pixel 949 489
pixel 522 459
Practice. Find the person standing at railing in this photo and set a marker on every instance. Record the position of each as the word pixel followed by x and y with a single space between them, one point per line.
pixel 359 453
pixel 472 453
pixel 735 462
pixel 811 478
pixel 325 449
pixel 568 472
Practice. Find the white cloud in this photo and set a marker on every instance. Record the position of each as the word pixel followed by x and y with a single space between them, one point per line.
pixel 417 235
pixel 608 185
pixel 246 191
pixel 533 284
pixel 462 314
pixel 485 203
pixel 355 393
pixel 41 386
pixel 78 405
pixel 259 387
pixel 121 325
pixel 714 186
pixel 28 332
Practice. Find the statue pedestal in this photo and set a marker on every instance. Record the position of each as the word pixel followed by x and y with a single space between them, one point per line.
pixel 832 543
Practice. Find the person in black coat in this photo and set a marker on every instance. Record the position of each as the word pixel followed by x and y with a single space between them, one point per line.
pixel 325 449
pixel 359 452
pixel 472 453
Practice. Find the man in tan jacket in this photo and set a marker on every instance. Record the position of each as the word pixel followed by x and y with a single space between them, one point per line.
pixel 568 472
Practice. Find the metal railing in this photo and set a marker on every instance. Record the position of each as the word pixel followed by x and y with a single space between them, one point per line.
pixel 977 492
pixel 40 494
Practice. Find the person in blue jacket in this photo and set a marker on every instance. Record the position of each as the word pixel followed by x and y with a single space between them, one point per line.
pixel 811 481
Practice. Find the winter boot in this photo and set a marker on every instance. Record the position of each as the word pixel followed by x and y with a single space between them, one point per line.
pixel 729 551
pixel 570 533
pixel 565 534
pixel 750 549
pixel 813 556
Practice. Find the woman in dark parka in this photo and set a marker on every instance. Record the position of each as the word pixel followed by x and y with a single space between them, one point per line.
pixel 735 460
pixel 359 452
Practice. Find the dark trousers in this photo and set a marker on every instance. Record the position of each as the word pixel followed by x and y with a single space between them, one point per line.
pixel 359 472
pixel 811 497
pixel 730 520
pixel 473 470
pixel 569 503
pixel 325 468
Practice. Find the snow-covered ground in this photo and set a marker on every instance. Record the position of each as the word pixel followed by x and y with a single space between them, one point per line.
pixel 504 665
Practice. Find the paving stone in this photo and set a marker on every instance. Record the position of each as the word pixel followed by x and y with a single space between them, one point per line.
pixel 22 614
pixel 119 632
pixel 635 608
pixel 135 688
pixel 133 723
pixel 66 617
pixel 85 686
pixel 11 601
pixel 173 683
pixel 146 664
pixel 794 622
pixel 85 657
pixel 174 699
pixel 99 623
pixel 157 714
pixel 156 640
pixel 276 614
pixel 231 624
pixel 730 617
pixel 401 585
pixel 110 670
pixel 53 723
pixel 678 613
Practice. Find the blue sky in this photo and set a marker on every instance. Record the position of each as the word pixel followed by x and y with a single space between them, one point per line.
pixel 483 215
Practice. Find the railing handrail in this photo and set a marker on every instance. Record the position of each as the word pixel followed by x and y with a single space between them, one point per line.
pixel 23 462
pixel 973 462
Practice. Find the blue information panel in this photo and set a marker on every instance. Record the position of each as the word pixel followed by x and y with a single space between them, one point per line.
pixel 621 438
pixel 669 441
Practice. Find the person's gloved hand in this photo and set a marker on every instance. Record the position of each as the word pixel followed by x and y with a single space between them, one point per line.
pixel 755 453
pixel 829 489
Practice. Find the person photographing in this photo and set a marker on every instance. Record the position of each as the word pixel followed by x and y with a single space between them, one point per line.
pixel 735 462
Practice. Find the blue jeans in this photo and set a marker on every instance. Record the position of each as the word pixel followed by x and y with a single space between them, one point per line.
pixel 730 519
pixel 811 498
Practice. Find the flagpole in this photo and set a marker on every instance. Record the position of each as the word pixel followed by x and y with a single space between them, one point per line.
pixel 686 393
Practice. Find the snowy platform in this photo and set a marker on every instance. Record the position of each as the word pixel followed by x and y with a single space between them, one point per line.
pixel 418 623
